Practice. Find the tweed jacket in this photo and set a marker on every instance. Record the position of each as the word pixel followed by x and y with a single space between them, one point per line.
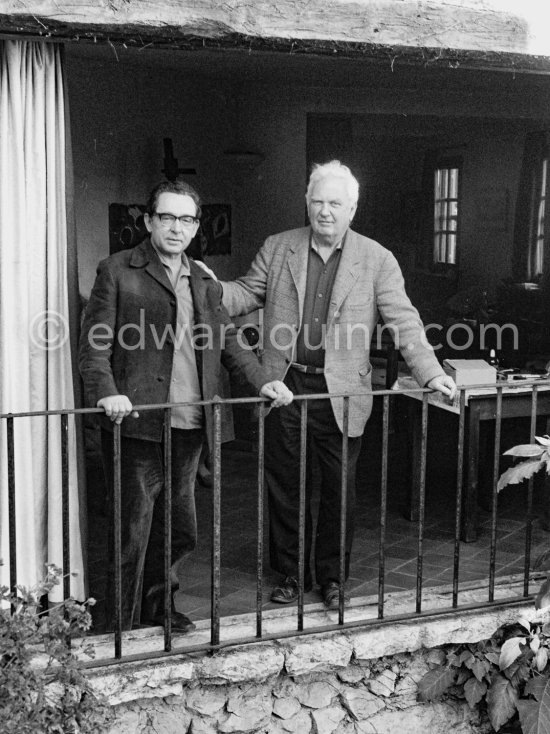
pixel 127 340
pixel 368 283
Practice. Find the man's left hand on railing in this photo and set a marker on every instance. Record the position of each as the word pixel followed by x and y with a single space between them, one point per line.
pixel 117 407
pixel 277 392
pixel 443 384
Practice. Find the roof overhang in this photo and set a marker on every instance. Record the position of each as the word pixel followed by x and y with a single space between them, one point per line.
pixel 490 34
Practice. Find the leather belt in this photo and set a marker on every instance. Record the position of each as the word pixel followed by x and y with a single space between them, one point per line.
pixel 309 369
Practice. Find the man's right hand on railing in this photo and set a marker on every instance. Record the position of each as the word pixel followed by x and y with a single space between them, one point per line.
pixel 117 407
pixel 277 392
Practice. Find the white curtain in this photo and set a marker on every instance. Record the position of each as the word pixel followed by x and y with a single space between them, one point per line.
pixel 35 358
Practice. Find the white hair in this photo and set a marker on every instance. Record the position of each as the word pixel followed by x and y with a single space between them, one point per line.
pixel 338 170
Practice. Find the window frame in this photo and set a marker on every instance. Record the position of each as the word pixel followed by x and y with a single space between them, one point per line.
pixel 445 163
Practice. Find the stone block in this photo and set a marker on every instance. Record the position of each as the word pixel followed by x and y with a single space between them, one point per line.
pixel 286 708
pixel 361 704
pixel 284 687
pixel 326 720
pixel 352 674
pixel 248 711
pixel 250 724
pixel 318 654
pixel 206 701
pixel 346 727
pixel 406 692
pixel 299 724
pixel 316 695
pixel 126 722
pixel 159 681
pixel 203 726
pixel 244 665
pixel 241 703
pixel 168 721
pixel 424 718
pixel 383 684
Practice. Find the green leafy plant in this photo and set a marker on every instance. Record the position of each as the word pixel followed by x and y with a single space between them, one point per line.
pixel 507 674
pixel 42 687
pixel 536 457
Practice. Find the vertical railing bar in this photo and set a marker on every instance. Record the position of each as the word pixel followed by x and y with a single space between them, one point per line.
pixel 343 507
pixel 117 539
pixel 458 505
pixel 421 501
pixel 529 518
pixel 383 505
pixel 66 545
pixel 64 420
pixel 11 502
pixel 167 459
pixel 216 529
pixel 260 520
pixel 302 513
pixel 494 496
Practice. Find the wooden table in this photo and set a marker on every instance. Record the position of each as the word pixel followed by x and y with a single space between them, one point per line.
pixel 480 407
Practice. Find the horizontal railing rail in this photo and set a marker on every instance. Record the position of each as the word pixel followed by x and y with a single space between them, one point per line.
pixel 532 388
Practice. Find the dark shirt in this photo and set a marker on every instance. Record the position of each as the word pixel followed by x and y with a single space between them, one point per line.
pixel 310 346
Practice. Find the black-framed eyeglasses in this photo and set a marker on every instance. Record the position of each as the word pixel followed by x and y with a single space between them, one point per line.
pixel 168 220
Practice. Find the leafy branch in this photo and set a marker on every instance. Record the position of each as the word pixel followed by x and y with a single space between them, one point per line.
pixel 508 674
pixel 42 688
pixel 536 457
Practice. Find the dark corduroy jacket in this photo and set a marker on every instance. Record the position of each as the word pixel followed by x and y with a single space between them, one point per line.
pixel 127 345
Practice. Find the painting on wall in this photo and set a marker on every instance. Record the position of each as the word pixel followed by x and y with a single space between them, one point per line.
pixel 126 226
pixel 215 229
pixel 127 229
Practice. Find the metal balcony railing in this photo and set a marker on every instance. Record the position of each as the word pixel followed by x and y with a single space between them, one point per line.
pixel 421 398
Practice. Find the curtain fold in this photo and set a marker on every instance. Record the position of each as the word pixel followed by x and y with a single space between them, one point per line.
pixel 535 149
pixel 35 355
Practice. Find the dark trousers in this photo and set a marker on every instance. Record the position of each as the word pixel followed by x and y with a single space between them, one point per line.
pixel 142 517
pixel 282 471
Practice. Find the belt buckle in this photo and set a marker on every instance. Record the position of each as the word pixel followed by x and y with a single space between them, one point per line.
pixel 307 368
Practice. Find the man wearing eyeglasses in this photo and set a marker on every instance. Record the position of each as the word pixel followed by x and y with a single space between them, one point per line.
pixel 155 332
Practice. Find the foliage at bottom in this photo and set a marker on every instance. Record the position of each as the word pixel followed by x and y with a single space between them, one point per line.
pixel 42 687
pixel 509 675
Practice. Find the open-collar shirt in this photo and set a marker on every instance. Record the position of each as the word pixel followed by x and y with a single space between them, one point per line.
pixel 184 382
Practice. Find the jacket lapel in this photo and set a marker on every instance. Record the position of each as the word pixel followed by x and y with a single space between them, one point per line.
pixel 197 276
pixel 206 359
pixel 144 256
pixel 347 274
pixel 297 263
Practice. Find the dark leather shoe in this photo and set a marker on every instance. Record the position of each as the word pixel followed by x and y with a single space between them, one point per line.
pixel 153 611
pixel 331 595
pixel 180 622
pixel 287 591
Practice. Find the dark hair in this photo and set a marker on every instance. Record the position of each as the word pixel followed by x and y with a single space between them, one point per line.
pixel 172 187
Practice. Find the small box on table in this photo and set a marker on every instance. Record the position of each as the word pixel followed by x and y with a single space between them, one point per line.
pixel 470 371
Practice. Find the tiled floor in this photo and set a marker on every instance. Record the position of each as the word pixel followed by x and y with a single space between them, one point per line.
pixel 238 530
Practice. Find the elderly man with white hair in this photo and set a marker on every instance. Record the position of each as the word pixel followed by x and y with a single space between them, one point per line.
pixel 322 288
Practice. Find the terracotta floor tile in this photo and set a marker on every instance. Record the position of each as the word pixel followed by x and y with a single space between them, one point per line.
pixel 239 542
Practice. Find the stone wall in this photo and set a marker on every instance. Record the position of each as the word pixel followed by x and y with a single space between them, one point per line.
pixel 359 680
pixel 364 697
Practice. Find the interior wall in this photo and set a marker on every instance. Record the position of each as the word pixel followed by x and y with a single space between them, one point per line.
pixel 119 117
pixel 121 109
